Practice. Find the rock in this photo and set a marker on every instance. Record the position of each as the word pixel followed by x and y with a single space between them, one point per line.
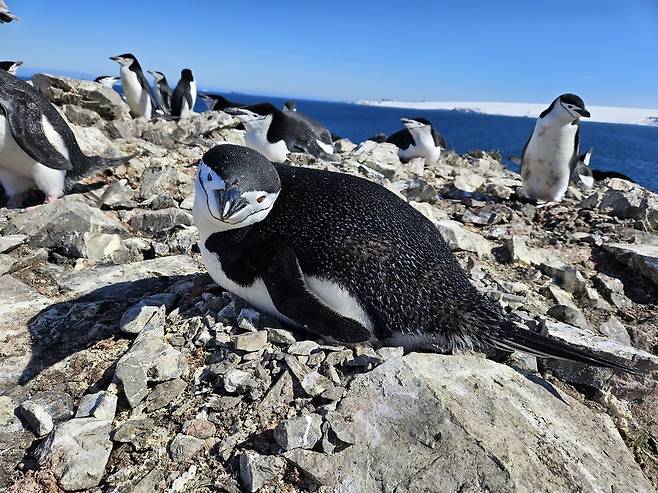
pixel 616 331
pixel 148 360
pixel 156 180
pixel 141 316
pixel 280 336
pixel 199 428
pixel 300 432
pixel 104 247
pixel 562 297
pixel 164 393
pixel 251 341
pixel 460 239
pixel 302 348
pixel 468 182
pixel 9 242
pixel 81 116
pixel 45 410
pixel 133 430
pixel 184 447
pixel 126 129
pixel 626 200
pixel 452 424
pixel 641 258
pixel 344 146
pixel 160 221
pixel 569 315
pixel 94 142
pixel 101 405
pixel 87 94
pixel 390 352
pixel 238 381
pixel 118 195
pixel 612 289
pixel 76 452
pixel 257 470
pixel 311 381
pixel 382 158
pixel 62 225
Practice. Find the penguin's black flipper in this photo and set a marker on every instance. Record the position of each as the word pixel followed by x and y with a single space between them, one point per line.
pixel 24 119
pixel 279 269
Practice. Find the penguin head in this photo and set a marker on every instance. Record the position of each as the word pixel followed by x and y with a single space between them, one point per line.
pixel 11 66
pixel 124 60
pixel 254 116
pixel 235 187
pixel 186 74
pixel 158 76
pixel 107 79
pixel 414 123
pixel 289 106
pixel 567 108
pixel 585 158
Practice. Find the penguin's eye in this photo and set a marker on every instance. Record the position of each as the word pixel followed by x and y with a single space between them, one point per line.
pixel 209 177
pixel 260 199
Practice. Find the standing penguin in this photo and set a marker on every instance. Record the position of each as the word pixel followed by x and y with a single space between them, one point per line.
pixel 37 147
pixel 552 150
pixel 184 98
pixel 107 80
pixel 5 15
pixel 344 258
pixel 418 138
pixel 10 66
pixel 162 91
pixel 275 133
pixel 135 85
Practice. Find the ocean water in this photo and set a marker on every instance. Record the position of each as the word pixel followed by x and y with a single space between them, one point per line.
pixel 629 149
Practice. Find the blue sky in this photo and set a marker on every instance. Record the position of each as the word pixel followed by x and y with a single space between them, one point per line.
pixel 517 50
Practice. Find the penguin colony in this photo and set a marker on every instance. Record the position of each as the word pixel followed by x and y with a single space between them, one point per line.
pixel 324 252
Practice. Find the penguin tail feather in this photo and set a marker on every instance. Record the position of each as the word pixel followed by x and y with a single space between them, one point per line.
pixel 512 338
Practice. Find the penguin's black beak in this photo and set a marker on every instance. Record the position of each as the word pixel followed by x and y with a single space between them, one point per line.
pixel 115 58
pixel 583 112
pixel 229 201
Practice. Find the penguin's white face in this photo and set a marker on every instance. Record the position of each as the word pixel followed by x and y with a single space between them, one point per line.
pixel 250 119
pixel 123 61
pixel 412 124
pixel 219 206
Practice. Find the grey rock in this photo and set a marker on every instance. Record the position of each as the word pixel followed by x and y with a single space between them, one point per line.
pixel 199 428
pixel 238 381
pixel 382 158
pixel 143 315
pixel 626 200
pixel 344 146
pixel 126 129
pixel 390 352
pixel 258 470
pixel 184 447
pixel 251 341
pixel 280 336
pixel 641 258
pixel 117 195
pixel 299 432
pixel 9 242
pixel 81 116
pixel 343 430
pixel 568 315
pixel 63 224
pixel 311 381
pixel 76 452
pixel 160 221
pixel 86 94
pixel 302 348
pixel 615 330
pixel 101 405
pixel 101 247
pixel 460 239
pixel 450 420
pixel 133 430
pixel 612 289
pixel 164 393
pixel 156 180
pixel 45 410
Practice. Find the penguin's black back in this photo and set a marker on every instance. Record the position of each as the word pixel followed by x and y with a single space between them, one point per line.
pixel 385 253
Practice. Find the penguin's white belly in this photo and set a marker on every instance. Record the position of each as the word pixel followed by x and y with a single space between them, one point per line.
pixel 423 149
pixel 277 152
pixel 546 171
pixel 138 98
pixel 19 172
pixel 328 293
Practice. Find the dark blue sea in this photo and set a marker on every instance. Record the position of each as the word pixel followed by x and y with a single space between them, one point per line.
pixel 629 149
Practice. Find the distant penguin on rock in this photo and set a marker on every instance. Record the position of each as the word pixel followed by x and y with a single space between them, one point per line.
pixel 5 15
pixel 10 66
pixel 581 174
pixel 344 258
pixel 275 133
pixel 215 102
pixel 107 80
pixel 552 151
pixel 135 86
pixel 162 91
pixel 289 106
pixel 37 147
pixel 418 138
pixel 184 97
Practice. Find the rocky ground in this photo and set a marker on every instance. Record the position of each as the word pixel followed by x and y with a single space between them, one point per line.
pixel 124 368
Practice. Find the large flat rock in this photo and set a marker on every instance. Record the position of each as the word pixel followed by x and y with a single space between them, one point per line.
pixel 463 423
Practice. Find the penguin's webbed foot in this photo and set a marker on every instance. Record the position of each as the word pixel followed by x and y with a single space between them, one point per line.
pixel 50 199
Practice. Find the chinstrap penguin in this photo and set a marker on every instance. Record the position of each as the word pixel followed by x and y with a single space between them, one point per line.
pixel 215 102
pixel 289 106
pixel 418 138
pixel 552 150
pixel 135 85
pixel 275 133
pixel 107 80
pixel 10 66
pixel 344 258
pixel 582 175
pixel 5 15
pixel 184 98
pixel 37 147
pixel 162 91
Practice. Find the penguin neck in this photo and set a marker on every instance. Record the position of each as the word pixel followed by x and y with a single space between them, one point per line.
pixel 551 119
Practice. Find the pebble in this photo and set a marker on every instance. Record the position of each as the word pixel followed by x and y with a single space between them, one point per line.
pixel 300 432
pixel 251 341
pixel 184 447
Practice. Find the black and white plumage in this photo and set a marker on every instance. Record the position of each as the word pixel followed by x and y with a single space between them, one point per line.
pixel 135 86
pixel 289 106
pixel 344 258
pixel 107 80
pixel 216 102
pixel 37 147
pixel 5 15
pixel 275 133
pixel 184 97
pixel 553 149
pixel 10 66
pixel 581 174
pixel 418 138
pixel 162 91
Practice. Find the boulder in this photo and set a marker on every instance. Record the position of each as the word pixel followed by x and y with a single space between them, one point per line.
pixel 460 239
pixel 641 258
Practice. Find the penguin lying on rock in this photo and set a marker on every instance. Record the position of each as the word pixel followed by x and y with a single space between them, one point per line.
pixel 418 138
pixel 37 147
pixel 10 66
pixel 345 258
